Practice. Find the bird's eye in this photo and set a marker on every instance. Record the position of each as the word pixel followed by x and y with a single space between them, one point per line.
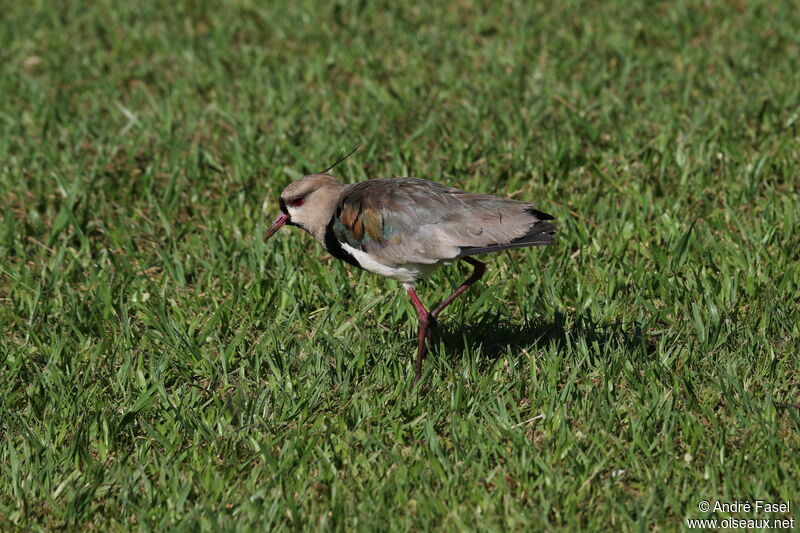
pixel 297 202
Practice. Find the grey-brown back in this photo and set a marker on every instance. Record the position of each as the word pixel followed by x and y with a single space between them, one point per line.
pixel 410 220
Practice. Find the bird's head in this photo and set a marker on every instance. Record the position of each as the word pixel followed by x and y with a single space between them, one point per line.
pixel 308 203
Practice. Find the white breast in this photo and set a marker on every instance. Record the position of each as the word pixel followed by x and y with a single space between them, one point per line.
pixel 406 273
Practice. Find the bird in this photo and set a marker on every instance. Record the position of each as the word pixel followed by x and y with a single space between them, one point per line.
pixel 404 228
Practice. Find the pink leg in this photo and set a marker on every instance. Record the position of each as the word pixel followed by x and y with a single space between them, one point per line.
pixel 480 268
pixel 425 320
pixel 428 319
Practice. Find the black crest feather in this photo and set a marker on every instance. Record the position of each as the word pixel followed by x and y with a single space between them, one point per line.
pixel 341 158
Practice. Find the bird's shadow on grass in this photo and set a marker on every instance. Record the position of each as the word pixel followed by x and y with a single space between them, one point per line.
pixel 495 335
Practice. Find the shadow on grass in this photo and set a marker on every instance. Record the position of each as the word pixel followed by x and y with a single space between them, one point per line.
pixel 494 335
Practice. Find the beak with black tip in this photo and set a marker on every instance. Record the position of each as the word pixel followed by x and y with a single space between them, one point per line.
pixel 280 221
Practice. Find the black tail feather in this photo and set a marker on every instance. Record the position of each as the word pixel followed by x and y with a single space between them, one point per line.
pixel 540 234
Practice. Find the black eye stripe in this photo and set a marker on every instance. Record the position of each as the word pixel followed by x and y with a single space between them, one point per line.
pixel 283 206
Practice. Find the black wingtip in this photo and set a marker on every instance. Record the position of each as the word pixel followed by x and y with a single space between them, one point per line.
pixel 540 234
pixel 539 214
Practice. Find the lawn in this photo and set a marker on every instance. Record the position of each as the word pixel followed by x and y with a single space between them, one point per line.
pixel 165 369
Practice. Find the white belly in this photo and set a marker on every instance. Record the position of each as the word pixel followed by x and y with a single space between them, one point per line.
pixel 406 273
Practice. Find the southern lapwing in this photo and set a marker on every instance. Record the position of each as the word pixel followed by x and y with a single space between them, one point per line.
pixel 405 228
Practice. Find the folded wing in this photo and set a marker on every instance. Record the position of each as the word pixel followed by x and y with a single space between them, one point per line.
pixel 408 220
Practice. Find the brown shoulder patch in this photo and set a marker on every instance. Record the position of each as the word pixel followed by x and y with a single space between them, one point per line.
pixel 348 216
pixel 357 229
pixel 373 223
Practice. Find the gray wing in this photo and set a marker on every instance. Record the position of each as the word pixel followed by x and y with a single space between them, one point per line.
pixel 410 220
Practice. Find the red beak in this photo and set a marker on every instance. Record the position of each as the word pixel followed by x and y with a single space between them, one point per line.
pixel 280 221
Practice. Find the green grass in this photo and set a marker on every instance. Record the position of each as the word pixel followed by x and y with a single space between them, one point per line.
pixel 163 368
